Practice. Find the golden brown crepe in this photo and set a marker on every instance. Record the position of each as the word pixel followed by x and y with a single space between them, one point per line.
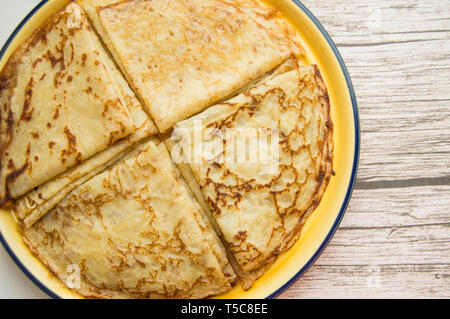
pixel 260 209
pixel 34 204
pixel 63 100
pixel 181 56
pixel 41 199
pixel 133 231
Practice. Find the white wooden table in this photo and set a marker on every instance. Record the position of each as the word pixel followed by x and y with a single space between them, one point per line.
pixel 394 240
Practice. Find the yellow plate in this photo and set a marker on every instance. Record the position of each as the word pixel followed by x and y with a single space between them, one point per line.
pixel 319 227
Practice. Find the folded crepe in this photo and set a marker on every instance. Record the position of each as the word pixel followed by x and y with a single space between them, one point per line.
pixel 66 111
pixel 181 56
pixel 133 231
pixel 259 204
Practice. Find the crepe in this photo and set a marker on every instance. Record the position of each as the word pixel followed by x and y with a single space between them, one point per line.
pixel 259 206
pixel 84 109
pixel 60 104
pixel 133 231
pixel 34 204
pixel 181 56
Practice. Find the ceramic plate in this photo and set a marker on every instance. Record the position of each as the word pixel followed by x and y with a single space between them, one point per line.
pixel 319 227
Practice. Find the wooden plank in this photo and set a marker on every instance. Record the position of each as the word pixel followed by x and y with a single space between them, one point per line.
pixel 396 245
pixel 408 225
pixel 392 243
pixel 359 22
pixel 372 281
pixel 399 207
pixel 404 156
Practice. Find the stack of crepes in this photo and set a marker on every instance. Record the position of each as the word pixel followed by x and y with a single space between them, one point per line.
pixel 92 183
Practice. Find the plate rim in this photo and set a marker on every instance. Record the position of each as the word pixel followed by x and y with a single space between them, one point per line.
pixel 5 244
pixel 355 164
pixel 348 194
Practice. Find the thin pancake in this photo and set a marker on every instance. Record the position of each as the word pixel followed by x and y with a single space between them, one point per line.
pixel 133 231
pixel 181 56
pixel 246 278
pixel 260 212
pixel 33 205
pixel 60 103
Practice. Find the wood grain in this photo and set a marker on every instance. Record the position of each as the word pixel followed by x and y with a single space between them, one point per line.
pixel 394 241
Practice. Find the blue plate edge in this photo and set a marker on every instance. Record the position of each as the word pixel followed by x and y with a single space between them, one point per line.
pixel 351 186
pixel 2 239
